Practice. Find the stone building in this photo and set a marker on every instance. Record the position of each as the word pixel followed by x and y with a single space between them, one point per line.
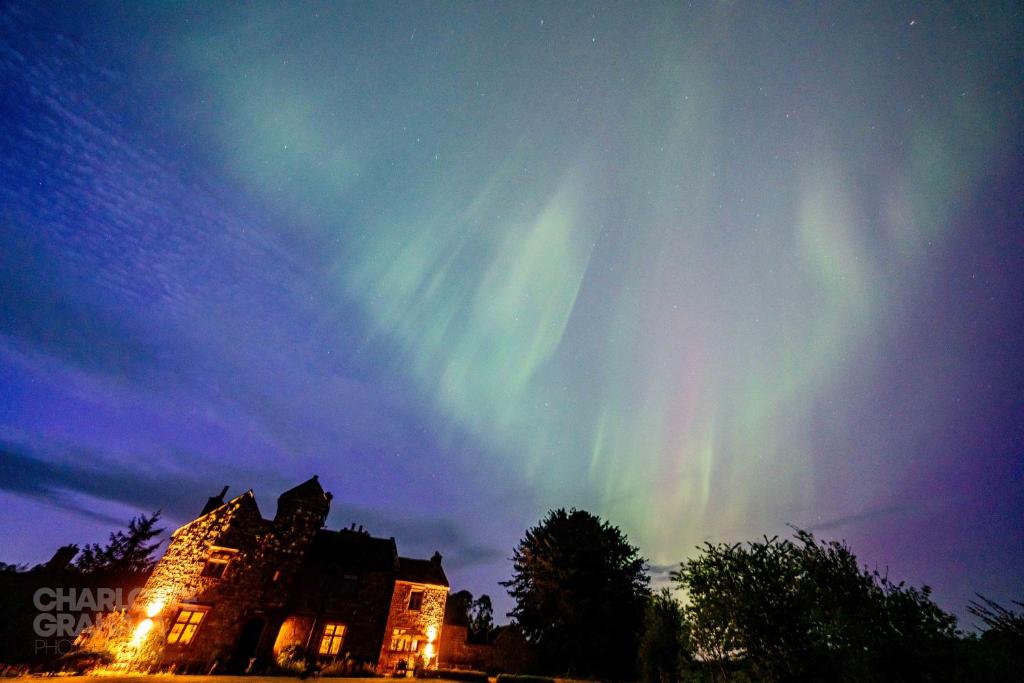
pixel 236 592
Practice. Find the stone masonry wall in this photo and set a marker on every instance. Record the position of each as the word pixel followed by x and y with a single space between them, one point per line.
pixel 416 623
pixel 255 583
pixel 177 580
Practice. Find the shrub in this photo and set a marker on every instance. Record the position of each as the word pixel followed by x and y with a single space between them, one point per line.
pixel 663 647
pixel 806 610
pixel 516 678
pixel 456 675
pixel 291 659
pixel 83 661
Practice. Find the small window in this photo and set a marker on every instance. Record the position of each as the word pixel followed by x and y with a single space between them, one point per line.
pixel 330 643
pixel 217 564
pixel 415 601
pixel 400 640
pixel 184 629
pixel 349 584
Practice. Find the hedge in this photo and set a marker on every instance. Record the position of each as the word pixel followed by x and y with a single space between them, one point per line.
pixel 457 675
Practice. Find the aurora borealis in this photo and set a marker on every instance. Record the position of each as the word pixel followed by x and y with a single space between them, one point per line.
pixel 705 270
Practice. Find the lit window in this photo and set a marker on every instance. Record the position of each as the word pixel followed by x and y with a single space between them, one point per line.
pixel 400 640
pixel 217 564
pixel 184 629
pixel 415 601
pixel 330 644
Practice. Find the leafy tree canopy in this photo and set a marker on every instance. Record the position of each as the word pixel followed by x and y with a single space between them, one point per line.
pixel 580 591
pixel 798 609
pixel 481 619
pixel 457 608
pixel 664 645
pixel 127 552
pixel 1000 621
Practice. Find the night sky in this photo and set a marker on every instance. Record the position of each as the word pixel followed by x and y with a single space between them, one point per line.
pixel 703 269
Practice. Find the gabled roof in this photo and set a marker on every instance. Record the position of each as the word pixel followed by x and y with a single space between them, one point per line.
pixel 421 571
pixel 308 489
pixel 246 505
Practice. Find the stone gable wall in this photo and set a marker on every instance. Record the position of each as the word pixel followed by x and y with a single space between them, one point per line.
pixel 431 614
pixel 248 589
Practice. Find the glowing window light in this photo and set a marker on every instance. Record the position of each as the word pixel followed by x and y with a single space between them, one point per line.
pixel 330 643
pixel 185 626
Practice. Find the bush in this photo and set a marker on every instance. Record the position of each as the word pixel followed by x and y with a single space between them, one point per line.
pixel 83 661
pixel 456 675
pixel 806 610
pixel 515 678
pixel 291 660
pixel 663 647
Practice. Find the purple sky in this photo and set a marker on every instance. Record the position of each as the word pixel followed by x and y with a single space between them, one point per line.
pixel 704 271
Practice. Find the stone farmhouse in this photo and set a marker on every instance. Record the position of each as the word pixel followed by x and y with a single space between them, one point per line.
pixel 235 592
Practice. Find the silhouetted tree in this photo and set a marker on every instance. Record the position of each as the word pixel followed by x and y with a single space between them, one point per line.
pixel 998 654
pixel 481 622
pixel 457 608
pixel 998 619
pixel 580 590
pixel 794 610
pixel 663 647
pixel 130 552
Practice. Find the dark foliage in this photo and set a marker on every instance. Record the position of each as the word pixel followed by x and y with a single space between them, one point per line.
pixel 456 675
pixel 476 615
pixel 998 654
pixel 130 552
pixel 81 661
pixel 124 563
pixel 457 608
pixel 804 610
pixel 663 647
pixel 580 590
pixel 519 678
pixel 481 620
pixel 1000 621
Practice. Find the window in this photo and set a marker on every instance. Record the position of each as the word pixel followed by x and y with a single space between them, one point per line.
pixel 403 641
pixel 217 564
pixel 349 584
pixel 330 643
pixel 184 629
pixel 415 601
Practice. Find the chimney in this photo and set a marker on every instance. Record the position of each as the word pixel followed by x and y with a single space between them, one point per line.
pixel 436 559
pixel 214 502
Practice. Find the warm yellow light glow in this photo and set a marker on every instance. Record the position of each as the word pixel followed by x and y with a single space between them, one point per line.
pixel 431 633
pixel 141 631
pixel 428 652
pixel 154 608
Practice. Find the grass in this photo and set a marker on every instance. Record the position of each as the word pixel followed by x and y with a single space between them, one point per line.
pixel 234 679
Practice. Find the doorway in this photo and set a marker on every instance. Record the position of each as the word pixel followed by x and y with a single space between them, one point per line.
pixel 248 643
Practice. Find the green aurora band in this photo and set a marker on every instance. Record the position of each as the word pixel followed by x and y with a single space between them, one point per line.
pixel 630 260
